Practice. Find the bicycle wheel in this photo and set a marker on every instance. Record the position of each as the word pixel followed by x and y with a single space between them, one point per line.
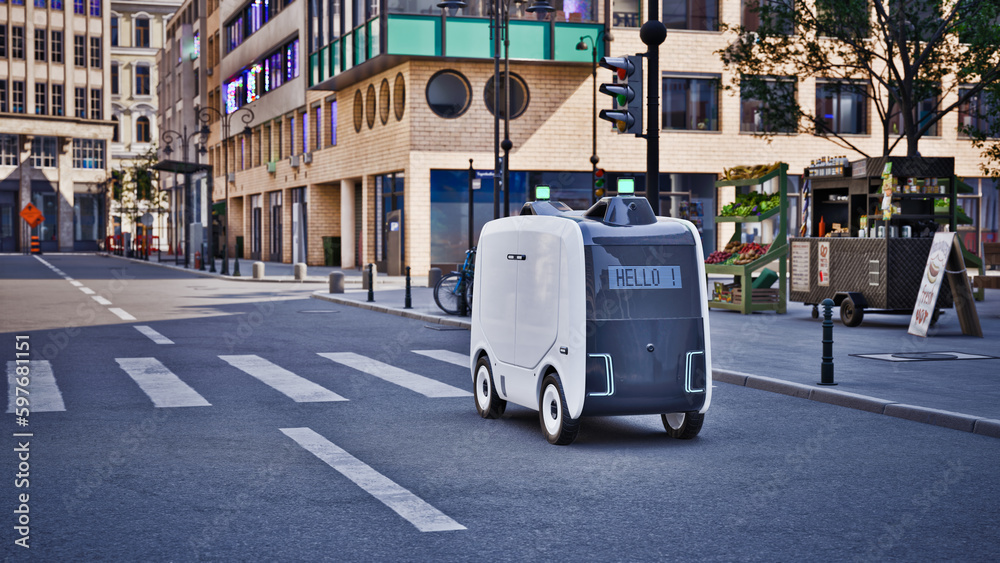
pixel 446 293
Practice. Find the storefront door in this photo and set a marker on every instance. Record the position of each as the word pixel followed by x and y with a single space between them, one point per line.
pixel 256 217
pixel 276 227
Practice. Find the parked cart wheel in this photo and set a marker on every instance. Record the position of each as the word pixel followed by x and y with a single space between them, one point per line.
pixel 815 311
pixel 683 425
pixel 850 314
pixel 558 426
pixel 488 403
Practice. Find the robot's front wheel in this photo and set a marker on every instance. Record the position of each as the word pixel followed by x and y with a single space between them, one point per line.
pixel 683 425
pixel 559 428
pixel 488 402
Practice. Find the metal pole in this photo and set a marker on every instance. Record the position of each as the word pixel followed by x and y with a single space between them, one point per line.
pixel 407 301
pixel 507 144
pixel 826 367
pixel 371 284
pixel 653 33
pixel 211 224
pixel 472 175
pixel 593 152
pixel 225 172
pixel 495 24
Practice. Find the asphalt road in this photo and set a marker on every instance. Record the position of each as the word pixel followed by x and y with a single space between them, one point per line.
pixel 284 454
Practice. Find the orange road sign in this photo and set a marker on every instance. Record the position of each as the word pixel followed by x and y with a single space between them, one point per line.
pixel 32 215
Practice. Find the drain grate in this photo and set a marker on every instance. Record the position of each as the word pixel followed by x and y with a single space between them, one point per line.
pixel 924 356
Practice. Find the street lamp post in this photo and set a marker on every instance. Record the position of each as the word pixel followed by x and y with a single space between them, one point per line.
pixel 169 136
pixel 204 115
pixel 582 46
pixel 500 27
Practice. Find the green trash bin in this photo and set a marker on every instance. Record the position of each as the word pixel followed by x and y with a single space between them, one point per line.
pixel 331 251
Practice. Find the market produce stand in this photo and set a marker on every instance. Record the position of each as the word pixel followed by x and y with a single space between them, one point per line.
pixel 743 299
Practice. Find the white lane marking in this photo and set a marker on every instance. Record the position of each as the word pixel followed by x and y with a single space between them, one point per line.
pixel 121 314
pixel 76 283
pixel 44 393
pixel 69 279
pixel 423 385
pixel 299 389
pixel 408 505
pixel 100 299
pixel 153 335
pixel 87 290
pixel 461 360
pixel 160 384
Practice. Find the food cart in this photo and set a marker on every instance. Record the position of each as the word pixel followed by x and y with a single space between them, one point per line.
pixel 858 258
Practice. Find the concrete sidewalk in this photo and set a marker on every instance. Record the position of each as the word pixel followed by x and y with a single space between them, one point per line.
pixel 782 354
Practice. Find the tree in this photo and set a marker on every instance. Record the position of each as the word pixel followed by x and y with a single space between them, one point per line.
pixel 136 189
pixel 914 60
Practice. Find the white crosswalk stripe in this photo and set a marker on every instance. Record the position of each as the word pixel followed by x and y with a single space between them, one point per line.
pixel 153 335
pixel 160 384
pixel 415 510
pixel 121 314
pixel 414 382
pixel 44 394
pixel 461 360
pixel 298 388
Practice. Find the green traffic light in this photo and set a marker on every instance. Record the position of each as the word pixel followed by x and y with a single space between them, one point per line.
pixel 622 100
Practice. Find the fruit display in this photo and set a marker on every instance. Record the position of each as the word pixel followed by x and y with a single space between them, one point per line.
pixel 753 203
pixel 737 253
pixel 749 172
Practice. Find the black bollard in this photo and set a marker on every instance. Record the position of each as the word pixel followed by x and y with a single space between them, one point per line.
pixel 236 267
pixel 463 306
pixel 407 301
pixel 371 285
pixel 826 368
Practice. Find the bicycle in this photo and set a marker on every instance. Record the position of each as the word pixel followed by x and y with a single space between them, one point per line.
pixel 451 286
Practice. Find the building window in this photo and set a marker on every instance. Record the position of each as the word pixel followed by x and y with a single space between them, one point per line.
pixel 197 47
pixel 96 103
pixel 56 37
pixel 95 52
pixel 115 78
pixel 924 112
pixel 141 79
pixel 79 50
pixel 95 8
pixel 841 108
pixel 278 139
pixel 56 4
pixel 383 101
pixel 115 134
pixel 291 135
pixel 691 103
pixel 17 41
pixel 142 32
pixel 518 96
pixel 80 7
pixel 291 60
pixel 40 44
pixel 318 111
pixel 3 95
pixel 304 118
pixel 701 15
pixel 142 133
pixel 250 18
pixel 114 31
pixel 57 100
pixel 399 96
pixel 9 150
pixel 17 96
pixel 755 115
pixel 333 122
pixel 448 94
pixel 370 106
pixel 3 40
pixel 40 4
pixel 779 13
pixel 626 13
pixel 80 102
pixel 359 111
pixel 43 152
pixel 41 98
pixel 978 114
pixel 88 153
pixel 259 78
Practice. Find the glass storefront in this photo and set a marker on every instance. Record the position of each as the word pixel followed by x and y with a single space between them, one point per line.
pixel 88 216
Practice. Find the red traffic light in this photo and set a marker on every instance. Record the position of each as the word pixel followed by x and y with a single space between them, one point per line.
pixel 599 173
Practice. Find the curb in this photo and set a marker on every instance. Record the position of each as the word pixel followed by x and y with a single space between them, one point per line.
pixel 392 311
pixel 211 275
pixel 936 417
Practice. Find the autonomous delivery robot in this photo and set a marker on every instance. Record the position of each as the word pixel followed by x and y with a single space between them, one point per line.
pixel 599 312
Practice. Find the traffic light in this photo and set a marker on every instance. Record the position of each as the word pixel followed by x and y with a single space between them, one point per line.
pixel 599 182
pixel 626 91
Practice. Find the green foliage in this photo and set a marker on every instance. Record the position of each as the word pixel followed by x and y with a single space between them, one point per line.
pixel 135 187
pixel 753 203
pixel 899 53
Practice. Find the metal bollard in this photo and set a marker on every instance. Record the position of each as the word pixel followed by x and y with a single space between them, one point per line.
pixel 407 301
pixel 463 306
pixel 826 368
pixel 371 284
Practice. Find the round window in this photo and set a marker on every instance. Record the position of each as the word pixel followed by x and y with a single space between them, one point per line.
pixel 383 102
pixel 399 96
pixel 359 111
pixel 448 94
pixel 370 106
pixel 518 96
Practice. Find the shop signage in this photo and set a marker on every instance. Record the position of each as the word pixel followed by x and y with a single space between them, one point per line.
pixel 800 265
pixel 945 259
pixel 823 262
pixel 32 215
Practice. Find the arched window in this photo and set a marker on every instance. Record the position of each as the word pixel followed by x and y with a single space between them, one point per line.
pixel 142 79
pixel 142 31
pixel 142 134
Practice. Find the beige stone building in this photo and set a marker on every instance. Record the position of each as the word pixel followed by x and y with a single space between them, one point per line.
pixel 54 122
pixel 372 152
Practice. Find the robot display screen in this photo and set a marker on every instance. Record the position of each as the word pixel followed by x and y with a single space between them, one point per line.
pixel 642 282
